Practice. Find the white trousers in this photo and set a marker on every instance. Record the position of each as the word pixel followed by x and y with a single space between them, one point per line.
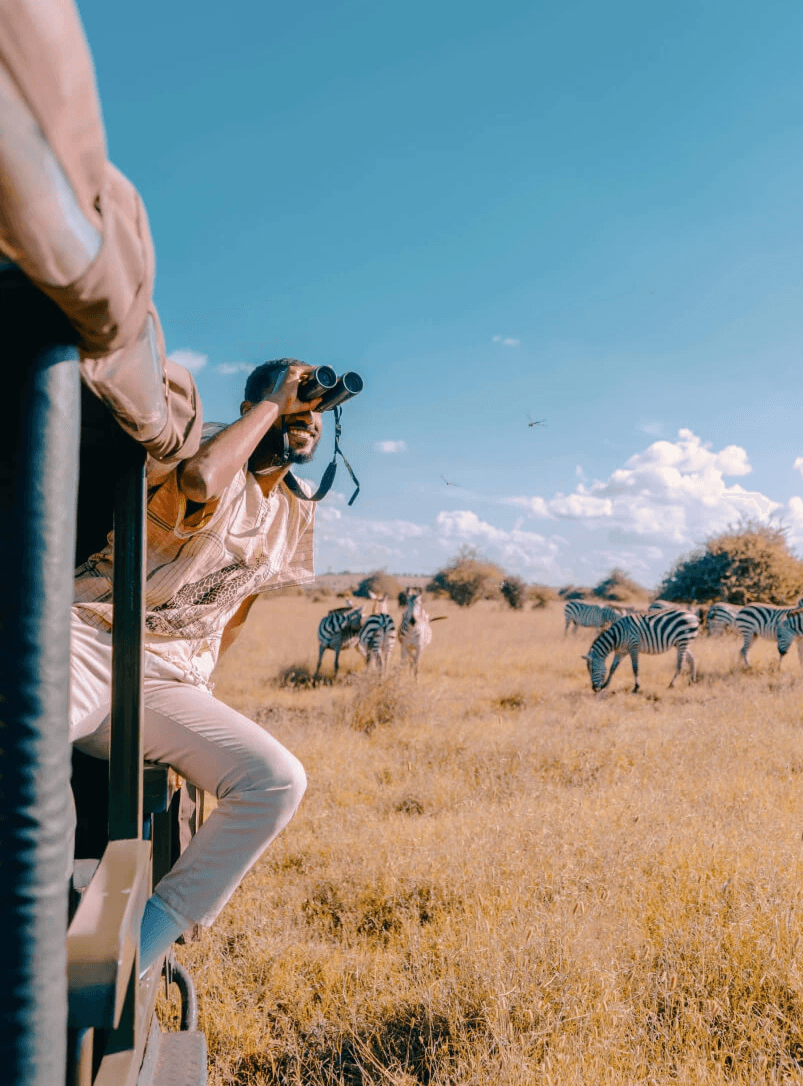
pixel 258 784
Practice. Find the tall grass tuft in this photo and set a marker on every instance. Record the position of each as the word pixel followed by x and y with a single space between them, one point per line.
pixel 378 701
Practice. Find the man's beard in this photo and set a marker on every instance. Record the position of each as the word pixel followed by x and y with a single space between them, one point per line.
pixel 270 450
pixel 298 457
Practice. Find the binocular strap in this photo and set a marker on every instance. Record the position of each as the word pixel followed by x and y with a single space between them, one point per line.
pixel 331 468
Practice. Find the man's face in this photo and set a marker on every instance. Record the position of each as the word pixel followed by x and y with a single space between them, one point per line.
pixel 303 435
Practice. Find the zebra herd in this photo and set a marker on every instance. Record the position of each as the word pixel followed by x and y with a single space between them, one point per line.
pixel 780 624
pixel 666 625
pixel 624 632
pixel 375 636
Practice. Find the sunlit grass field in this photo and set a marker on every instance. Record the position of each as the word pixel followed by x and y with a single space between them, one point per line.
pixel 496 877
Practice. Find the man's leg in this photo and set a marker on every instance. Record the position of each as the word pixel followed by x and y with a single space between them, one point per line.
pixel 257 782
pixel 258 785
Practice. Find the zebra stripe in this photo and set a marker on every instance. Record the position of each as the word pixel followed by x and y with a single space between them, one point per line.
pixel 791 629
pixel 759 620
pixel 653 634
pixel 587 614
pixel 338 630
pixel 721 617
pixel 415 632
pixel 376 640
pixel 671 605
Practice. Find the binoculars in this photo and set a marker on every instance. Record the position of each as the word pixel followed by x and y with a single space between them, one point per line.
pixel 333 390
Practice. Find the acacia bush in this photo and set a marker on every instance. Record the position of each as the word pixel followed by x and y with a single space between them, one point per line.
pixel 746 563
pixel 618 586
pixel 541 595
pixel 514 592
pixel 469 577
pixel 574 592
pixel 381 583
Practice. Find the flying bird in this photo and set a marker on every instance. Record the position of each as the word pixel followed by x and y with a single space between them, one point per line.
pixel 448 481
pixel 536 422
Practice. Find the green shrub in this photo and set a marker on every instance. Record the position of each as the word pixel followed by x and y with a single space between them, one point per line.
pixel 746 563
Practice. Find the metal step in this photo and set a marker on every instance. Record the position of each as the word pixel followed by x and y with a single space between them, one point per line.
pixel 174 1059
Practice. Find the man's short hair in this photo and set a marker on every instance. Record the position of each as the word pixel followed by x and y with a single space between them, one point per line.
pixel 263 378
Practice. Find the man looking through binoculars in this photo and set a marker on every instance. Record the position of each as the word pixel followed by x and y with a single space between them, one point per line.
pixel 222 527
pixel 270 408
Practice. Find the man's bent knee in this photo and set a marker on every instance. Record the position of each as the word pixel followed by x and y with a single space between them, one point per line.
pixel 280 774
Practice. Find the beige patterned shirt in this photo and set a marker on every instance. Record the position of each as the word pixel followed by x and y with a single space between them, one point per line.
pixel 201 565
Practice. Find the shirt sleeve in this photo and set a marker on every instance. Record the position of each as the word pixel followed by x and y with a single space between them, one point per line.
pixel 168 512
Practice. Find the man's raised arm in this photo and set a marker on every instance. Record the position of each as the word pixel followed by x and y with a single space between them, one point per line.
pixel 206 475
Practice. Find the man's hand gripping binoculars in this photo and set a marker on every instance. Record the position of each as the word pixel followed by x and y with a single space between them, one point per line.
pixel 322 382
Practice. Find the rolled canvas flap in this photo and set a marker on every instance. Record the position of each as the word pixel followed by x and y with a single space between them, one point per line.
pixel 107 305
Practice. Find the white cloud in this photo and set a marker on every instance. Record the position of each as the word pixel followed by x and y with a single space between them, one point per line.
pixel 506 341
pixel 650 426
pixel 512 547
pixel 390 446
pixel 660 503
pixel 345 541
pixel 193 361
pixel 673 491
pixel 228 369
pixel 793 519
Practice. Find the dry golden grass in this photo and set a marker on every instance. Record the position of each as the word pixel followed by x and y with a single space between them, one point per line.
pixel 497 878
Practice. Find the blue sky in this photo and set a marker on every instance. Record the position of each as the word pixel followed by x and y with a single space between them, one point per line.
pixel 582 212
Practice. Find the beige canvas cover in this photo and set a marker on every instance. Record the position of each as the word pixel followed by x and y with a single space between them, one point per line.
pixel 78 228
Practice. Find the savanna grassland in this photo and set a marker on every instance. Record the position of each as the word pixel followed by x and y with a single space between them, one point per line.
pixel 497 878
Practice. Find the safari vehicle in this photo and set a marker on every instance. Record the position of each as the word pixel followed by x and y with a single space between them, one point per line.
pixel 73 1008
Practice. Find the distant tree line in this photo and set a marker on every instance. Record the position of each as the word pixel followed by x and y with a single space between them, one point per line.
pixel 471 576
pixel 747 562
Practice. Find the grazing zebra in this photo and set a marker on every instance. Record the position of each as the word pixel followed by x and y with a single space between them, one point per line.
pixel 377 635
pixel 791 629
pixel 652 634
pixel 338 630
pixel 721 617
pixel 759 620
pixel 587 614
pixel 415 631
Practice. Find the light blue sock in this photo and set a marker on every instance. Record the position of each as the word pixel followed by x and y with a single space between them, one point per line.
pixel 161 926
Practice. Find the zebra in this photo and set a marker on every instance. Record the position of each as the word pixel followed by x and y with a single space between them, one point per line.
pixel 578 613
pixel 652 634
pixel 721 617
pixel 337 630
pixel 759 620
pixel 377 635
pixel 415 631
pixel 791 629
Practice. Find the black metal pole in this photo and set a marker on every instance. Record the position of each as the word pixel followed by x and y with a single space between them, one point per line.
pixel 126 757
pixel 38 488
